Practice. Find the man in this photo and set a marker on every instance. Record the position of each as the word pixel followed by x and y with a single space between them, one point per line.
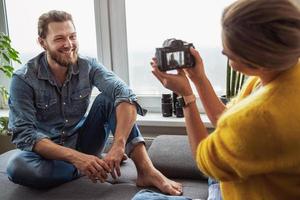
pixel 48 100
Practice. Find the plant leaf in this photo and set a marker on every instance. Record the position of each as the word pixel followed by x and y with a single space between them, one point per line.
pixel 6 57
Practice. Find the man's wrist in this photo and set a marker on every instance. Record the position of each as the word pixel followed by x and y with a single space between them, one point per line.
pixel 119 142
pixel 71 155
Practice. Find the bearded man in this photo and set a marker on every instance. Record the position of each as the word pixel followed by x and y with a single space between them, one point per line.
pixel 58 139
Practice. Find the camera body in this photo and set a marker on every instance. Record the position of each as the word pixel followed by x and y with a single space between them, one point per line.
pixel 175 54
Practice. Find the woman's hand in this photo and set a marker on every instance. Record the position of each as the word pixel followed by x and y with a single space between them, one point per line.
pixel 197 72
pixel 178 83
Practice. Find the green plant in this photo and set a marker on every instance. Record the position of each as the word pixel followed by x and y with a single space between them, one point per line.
pixel 4 126
pixel 234 82
pixel 8 55
pixel 4 96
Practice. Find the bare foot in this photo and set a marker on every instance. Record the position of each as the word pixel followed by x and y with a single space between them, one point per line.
pixel 125 157
pixel 157 179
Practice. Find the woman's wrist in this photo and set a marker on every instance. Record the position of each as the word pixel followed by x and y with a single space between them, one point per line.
pixel 199 79
pixel 187 100
pixel 187 92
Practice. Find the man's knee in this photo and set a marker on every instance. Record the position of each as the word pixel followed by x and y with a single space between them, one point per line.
pixel 103 99
pixel 17 166
pixel 21 169
pixel 103 106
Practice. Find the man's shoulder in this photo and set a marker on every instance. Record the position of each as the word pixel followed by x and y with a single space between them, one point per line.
pixel 87 61
pixel 30 68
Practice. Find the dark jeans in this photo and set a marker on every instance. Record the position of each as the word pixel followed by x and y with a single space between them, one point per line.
pixel 30 169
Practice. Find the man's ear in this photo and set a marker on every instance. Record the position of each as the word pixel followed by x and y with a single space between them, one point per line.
pixel 42 43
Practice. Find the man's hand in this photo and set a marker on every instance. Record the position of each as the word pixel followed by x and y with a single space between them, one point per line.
pixel 114 158
pixel 92 166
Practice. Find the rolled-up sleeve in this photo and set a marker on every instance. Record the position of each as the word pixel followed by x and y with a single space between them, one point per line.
pixel 111 85
pixel 22 115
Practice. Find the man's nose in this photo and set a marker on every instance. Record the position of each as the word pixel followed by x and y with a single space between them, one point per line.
pixel 68 43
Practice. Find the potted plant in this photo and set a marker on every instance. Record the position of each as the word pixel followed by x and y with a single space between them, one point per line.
pixel 7 55
pixel 234 83
pixel 5 135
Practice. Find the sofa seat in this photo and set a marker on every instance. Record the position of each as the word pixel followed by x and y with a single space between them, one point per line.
pixel 82 188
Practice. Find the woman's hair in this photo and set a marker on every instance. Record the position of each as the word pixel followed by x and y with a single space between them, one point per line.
pixel 264 33
pixel 52 16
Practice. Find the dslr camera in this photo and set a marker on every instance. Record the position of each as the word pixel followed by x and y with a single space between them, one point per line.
pixel 175 54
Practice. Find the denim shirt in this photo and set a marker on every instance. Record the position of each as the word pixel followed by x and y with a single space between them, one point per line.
pixel 40 108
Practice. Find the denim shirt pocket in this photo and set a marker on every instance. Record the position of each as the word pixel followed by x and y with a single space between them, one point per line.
pixel 80 101
pixel 46 105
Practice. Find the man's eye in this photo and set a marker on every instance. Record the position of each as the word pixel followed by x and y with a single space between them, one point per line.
pixel 73 37
pixel 58 39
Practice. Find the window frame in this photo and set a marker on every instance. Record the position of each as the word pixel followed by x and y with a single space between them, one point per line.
pixel 4 80
pixel 3 17
pixel 111 36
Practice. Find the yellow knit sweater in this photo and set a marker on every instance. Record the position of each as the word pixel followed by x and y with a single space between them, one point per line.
pixel 255 148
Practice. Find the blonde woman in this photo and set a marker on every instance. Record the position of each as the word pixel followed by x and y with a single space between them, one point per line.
pixel 254 150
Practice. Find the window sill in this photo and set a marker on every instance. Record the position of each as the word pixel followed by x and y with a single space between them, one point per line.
pixel 152 119
pixel 157 120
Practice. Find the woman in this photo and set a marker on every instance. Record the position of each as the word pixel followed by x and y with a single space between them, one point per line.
pixel 254 150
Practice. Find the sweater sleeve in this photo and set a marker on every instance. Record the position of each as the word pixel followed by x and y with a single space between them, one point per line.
pixel 246 142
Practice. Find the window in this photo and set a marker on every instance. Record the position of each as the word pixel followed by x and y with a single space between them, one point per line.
pixel 149 23
pixel 125 33
pixel 22 17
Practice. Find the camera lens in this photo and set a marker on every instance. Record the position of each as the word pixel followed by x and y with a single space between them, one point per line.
pixel 166 105
pixel 174 96
pixel 178 110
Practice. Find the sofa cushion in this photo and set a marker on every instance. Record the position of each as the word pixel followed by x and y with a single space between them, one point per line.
pixel 171 155
pixel 83 188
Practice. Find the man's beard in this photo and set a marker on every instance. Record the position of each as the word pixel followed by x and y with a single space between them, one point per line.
pixel 63 60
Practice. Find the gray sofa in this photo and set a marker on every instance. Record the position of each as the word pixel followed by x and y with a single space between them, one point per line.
pixel 170 154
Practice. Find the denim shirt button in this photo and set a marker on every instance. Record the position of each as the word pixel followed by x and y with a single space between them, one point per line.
pixel 46 106
pixel 64 103
pixel 66 121
pixel 80 96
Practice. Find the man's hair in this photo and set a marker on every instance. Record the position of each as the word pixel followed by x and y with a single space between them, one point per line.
pixel 264 33
pixel 52 16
